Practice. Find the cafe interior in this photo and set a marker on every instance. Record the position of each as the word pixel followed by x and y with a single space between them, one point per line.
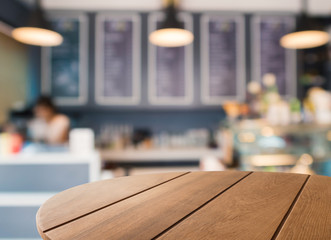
pixel 102 89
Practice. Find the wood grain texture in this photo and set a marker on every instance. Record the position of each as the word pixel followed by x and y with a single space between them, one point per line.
pixel 145 215
pixel 83 199
pixel 252 209
pixel 310 217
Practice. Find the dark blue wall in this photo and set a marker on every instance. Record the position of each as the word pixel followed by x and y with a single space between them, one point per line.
pixel 163 117
pixel 172 118
pixel 34 74
pixel 13 13
pixel 144 104
pixel 157 118
pixel 165 120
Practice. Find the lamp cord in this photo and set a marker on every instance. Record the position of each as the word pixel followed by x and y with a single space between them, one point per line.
pixel 38 3
pixel 167 3
pixel 304 6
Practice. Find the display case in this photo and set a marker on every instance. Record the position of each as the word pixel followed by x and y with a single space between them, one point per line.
pixel 263 147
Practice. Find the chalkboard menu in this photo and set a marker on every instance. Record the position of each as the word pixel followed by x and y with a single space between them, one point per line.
pixel 170 69
pixel 269 56
pixel 65 66
pixel 222 58
pixel 117 59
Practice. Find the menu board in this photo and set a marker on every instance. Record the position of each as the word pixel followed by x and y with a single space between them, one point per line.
pixel 170 68
pixel 64 67
pixel 269 56
pixel 117 59
pixel 222 58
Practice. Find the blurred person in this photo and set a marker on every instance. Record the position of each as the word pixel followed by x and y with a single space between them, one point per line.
pixel 48 126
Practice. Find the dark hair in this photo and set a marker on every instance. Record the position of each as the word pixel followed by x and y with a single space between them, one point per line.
pixel 46 101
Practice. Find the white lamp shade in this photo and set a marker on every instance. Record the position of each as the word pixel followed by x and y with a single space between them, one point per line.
pixel 37 36
pixel 171 37
pixel 304 39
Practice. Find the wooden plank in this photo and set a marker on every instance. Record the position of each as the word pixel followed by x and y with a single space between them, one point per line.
pixel 149 213
pixel 310 217
pixel 83 199
pixel 252 209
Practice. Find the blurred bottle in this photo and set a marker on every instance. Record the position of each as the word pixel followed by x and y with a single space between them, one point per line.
pixel 10 143
pixel 16 143
pixel 295 107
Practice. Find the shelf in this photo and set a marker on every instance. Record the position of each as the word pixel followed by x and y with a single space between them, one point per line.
pixel 272 160
pixel 163 155
pixel 298 129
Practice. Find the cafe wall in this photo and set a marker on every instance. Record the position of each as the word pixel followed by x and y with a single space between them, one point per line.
pixel 174 117
pixel 13 74
pixel 13 13
pixel 163 116
pixel 155 116
pixel 145 114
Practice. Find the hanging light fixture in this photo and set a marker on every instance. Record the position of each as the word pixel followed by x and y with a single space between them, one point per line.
pixel 172 32
pixel 38 31
pixel 308 34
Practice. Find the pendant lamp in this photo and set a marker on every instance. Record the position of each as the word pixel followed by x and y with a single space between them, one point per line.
pixel 172 32
pixel 37 31
pixel 308 33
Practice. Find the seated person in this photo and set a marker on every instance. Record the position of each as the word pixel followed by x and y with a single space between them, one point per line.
pixel 48 126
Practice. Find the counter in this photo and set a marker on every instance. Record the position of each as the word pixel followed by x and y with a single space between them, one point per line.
pixel 28 180
pixel 162 159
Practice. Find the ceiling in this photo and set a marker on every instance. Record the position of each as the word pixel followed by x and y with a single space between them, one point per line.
pixel 315 7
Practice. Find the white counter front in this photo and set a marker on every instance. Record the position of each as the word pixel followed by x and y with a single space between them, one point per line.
pixel 28 180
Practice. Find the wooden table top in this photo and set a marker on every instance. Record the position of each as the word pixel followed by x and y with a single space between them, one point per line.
pixel 197 205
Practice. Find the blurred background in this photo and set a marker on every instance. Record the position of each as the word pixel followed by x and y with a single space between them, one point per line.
pixel 93 90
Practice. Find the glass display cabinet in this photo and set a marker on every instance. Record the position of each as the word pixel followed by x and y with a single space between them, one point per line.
pixel 263 147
